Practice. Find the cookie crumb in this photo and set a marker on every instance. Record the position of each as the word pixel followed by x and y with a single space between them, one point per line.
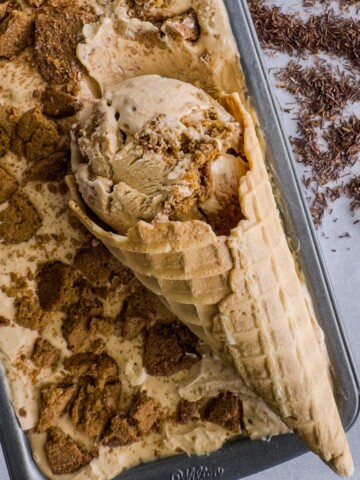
pixel 8 184
pixel 145 413
pixel 84 323
pixel 93 407
pixel 131 327
pixel 57 286
pixel 16 33
pixel 64 455
pixel 120 433
pixel 19 221
pixel 54 399
pixel 188 411
pixel 44 354
pixel 58 30
pixel 185 25
pixel 50 169
pixel 35 3
pixel 224 410
pixel 4 141
pixel 4 9
pixel 35 136
pixel 58 103
pixel 22 412
pixel 168 349
pixel 96 264
pixel 29 313
pixel 102 368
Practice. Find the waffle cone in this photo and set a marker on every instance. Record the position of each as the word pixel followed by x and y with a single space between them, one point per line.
pixel 242 294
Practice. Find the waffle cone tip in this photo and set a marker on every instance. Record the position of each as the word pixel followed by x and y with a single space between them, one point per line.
pixel 343 464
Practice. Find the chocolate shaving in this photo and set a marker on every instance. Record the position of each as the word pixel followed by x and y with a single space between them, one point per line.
pixel 320 89
pixel 327 145
pixel 328 33
pixel 352 191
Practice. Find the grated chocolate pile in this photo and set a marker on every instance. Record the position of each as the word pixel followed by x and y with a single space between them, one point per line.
pixel 328 139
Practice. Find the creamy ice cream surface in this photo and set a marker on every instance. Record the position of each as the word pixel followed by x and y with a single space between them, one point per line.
pixel 148 146
pixel 156 147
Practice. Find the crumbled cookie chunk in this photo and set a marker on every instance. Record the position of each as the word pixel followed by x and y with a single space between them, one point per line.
pixel 131 327
pixel 76 331
pixel 53 401
pixel 29 313
pixel 4 9
pixel 4 141
pixel 4 322
pixel 225 410
pixel 84 323
pixel 96 264
pixel 188 411
pixel 142 303
pixel 64 455
pixel 57 286
pixel 19 221
pixel 57 33
pixel 35 136
pixel 77 336
pixel 45 355
pixel 138 313
pixel 88 303
pixel 169 349
pixel 185 25
pixel 50 169
pixel 101 326
pixel 9 116
pixel 16 33
pixel 93 407
pixel 145 413
pixel 58 104
pixel 36 3
pixel 102 368
pixel 120 432
pixel 8 184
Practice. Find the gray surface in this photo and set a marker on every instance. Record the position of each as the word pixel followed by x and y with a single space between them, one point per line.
pixel 345 275
pixel 3 470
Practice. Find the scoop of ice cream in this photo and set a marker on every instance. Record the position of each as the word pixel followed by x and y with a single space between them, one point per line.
pixel 155 148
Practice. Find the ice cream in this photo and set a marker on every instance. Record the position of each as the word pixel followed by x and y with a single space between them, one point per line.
pixel 41 277
pixel 61 242
pixel 241 293
pixel 157 148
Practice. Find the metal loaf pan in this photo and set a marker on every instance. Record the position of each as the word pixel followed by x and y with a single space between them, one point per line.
pixel 240 458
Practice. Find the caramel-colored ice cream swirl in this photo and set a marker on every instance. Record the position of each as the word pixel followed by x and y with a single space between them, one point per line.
pixel 158 148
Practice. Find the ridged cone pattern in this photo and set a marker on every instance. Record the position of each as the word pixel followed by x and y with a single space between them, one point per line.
pixel 242 294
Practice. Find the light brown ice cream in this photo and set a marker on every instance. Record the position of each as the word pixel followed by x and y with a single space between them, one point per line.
pixel 172 38
pixel 156 147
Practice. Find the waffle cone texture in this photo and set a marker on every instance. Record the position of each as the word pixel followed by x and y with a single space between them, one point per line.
pixel 242 294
